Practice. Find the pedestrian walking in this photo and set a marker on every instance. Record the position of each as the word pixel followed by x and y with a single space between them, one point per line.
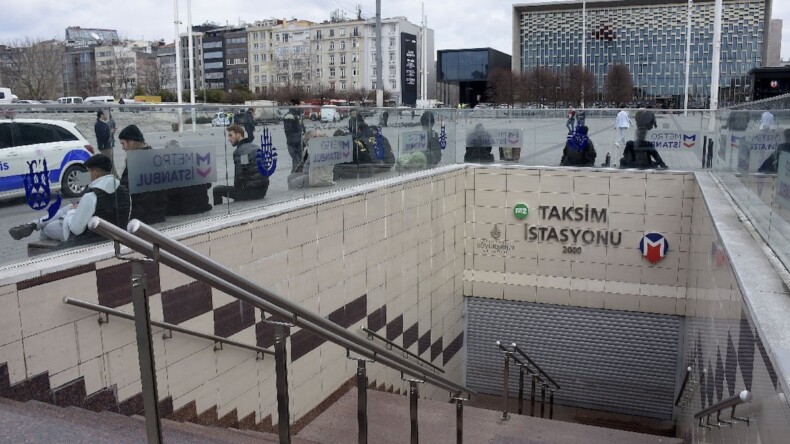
pixel 621 124
pixel 571 122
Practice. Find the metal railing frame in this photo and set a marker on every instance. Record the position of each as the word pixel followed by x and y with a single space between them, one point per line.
pixel 390 344
pixel 536 375
pixel 167 326
pixel 743 397
pixel 144 239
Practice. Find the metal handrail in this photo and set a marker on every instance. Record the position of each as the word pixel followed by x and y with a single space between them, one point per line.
pixel 144 239
pixel 519 362
pixel 165 325
pixel 537 367
pixel 742 397
pixel 392 344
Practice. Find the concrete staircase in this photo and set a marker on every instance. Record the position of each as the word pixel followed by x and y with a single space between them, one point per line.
pixel 38 422
pixel 388 423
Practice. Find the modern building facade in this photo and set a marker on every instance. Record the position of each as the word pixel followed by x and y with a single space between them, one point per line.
pixel 774 51
pixel 463 74
pixel 79 58
pixel 649 37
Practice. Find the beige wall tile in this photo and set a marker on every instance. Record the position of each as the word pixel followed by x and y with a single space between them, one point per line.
pixel 556 181
pixel 548 267
pixel 10 325
pixel 489 215
pixel 588 270
pixel 591 299
pixel 628 184
pixel 191 372
pixel 13 354
pixel 41 307
pixel 490 180
pixel 627 204
pixel 623 221
pixel 652 304
pixel 557 296
pixel 530 198
pixel 89 340
pixel 489 263
pixel 523 180
pixel 269 239
pixel 615 301
pixel 520 293
pixel 558 199
pixel 665 186
pixel 488 290
pixel 623 273
pixel 232 250
pixel 591 185
pixel 490 198
pixel 94 373
pixel 521 265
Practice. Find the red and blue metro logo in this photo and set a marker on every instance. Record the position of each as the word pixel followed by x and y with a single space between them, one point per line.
pixel 654 247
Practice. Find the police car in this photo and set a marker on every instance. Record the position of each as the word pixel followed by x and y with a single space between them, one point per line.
pixel 24 146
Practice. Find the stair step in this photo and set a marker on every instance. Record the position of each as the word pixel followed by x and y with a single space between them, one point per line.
pixel 33 424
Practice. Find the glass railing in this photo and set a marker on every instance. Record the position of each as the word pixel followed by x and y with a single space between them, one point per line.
pixel 191 173
pixel 753 163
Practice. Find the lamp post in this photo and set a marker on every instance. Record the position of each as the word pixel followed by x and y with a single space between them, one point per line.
pixel 584 48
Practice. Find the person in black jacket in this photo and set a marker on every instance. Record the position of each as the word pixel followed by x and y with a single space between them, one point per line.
pixel 434 152
pixel 103 134
pixel 248 182
pixel 249 123
pixel 149 207
pixel 579 149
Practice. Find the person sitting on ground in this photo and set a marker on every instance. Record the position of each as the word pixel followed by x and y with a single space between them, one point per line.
pixel 641 155
pixel 478 145
pixel 579 149
pixel 771 164
pixel 149 207
pixel 248 182
pixel 106 198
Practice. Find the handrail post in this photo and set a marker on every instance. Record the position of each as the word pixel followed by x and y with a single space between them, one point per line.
pixel 505 389
pixel 414 394
pixel 459 419
pixel 145 351
pixel 521 390
pixel 281 371
pixel 532 397
pixel 542 399
pixel 551 404
pixel 362 401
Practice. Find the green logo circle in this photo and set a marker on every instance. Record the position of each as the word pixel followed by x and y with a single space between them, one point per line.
pixel 521 211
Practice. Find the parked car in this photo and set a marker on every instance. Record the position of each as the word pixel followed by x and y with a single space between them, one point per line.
pixel 58 142
pixel 70 100
pixel 6 96
pixel 97 100
pixel 329 114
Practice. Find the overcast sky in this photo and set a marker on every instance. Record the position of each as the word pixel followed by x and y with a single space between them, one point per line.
pixel 457 23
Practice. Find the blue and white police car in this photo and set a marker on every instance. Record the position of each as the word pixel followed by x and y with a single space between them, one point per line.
pixel 24 146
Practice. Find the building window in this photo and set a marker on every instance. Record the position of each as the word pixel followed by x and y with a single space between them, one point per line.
pixel 331 73
pixel 342 86
pixel 354 43
pixel 342 44
pixel 392 57
pixel 331 59
pixel 318 34
pixel 318 46
pixel 342 72
pixel 392 42
pixel 343 59
pixel 355 31
pixel 392 71
pixel 318 59
pixel 331 33
pixel 353 72
pixel 331 46
pixel 355 57
pixel 342 31
pixel 393 85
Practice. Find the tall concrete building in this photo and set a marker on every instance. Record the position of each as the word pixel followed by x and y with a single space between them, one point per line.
pixel 79 58
pixel 774 51
pixel 649 37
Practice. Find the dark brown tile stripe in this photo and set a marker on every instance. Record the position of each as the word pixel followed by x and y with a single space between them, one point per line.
pixel 165 407
pixel 104 399
pixel 265 425
pixel 186 302
pixel 33 388
pixel 436 349
pixel 424 343
pixel 114 283
pixel 410 336
pixel 207 418
pixel 246 423
pixel 58 275
pixel 302 343
pixel 5 381
pixel 395 328
pixel 70 394
pixel 185 413
pixel 356 311
pixel 453 348
pixel 233 318
pixel 264 333
pixel 231 419
pixel 132 405
pixel 378 319
pixel 338 316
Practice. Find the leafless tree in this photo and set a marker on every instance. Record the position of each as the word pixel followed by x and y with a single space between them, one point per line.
pixel 503 86
pixel 575 81
pixel 152 75
pixel 32 68
pixel 619 86
pixel 117 71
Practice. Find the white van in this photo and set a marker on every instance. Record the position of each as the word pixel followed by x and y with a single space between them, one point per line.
pixel 329 114
pixel 6 96
pixel 70 100
pixel 99 99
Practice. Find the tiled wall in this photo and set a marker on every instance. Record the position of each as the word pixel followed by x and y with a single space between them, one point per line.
pixel 601 276
pixel 389 257
pixel 729 280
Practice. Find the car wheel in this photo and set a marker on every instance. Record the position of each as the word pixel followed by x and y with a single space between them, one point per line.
pixel 70 183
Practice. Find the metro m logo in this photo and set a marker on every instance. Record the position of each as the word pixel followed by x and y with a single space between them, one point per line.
pixel 654 247
pixel 206 158
pixel 689 141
